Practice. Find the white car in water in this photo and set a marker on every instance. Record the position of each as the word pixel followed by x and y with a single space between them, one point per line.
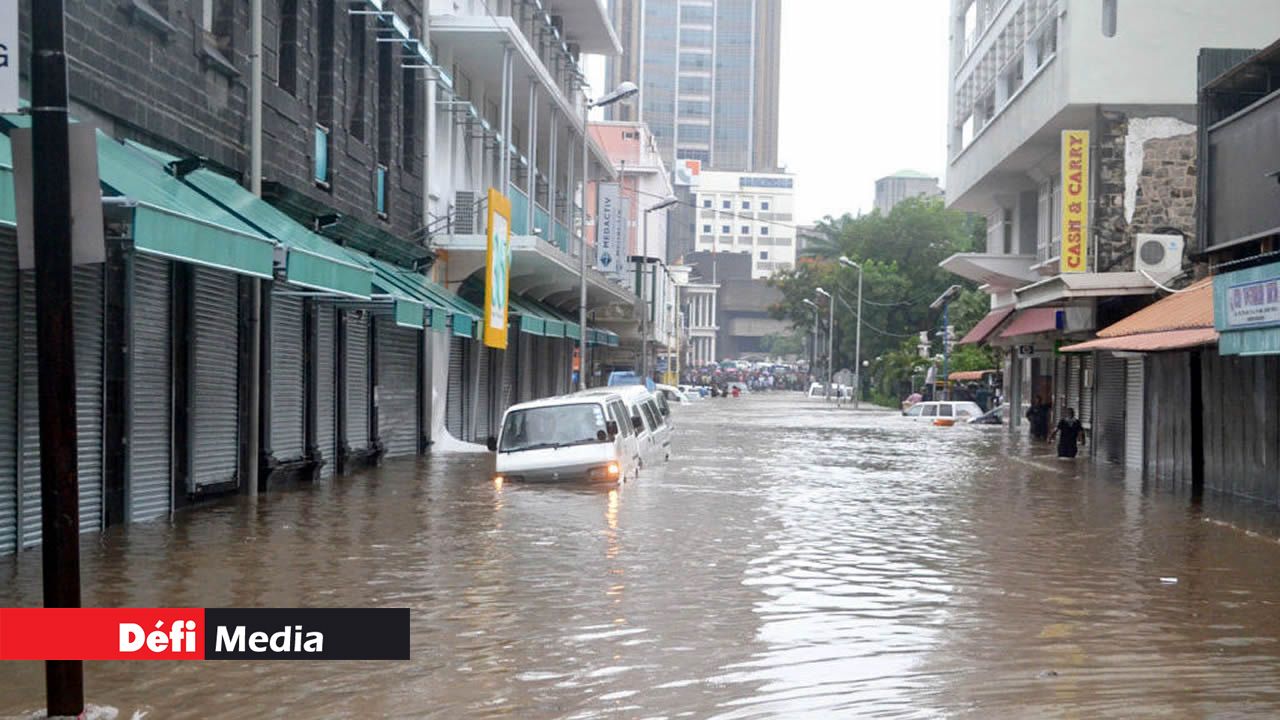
pixel 673 395
pixel 652 425
pixel 944 412
pixel 569 438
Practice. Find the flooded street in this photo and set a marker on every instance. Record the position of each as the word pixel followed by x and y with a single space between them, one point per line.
pixel 792 560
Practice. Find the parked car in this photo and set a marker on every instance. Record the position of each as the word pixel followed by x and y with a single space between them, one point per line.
pixel 672 395
pixel 691 392
pixel 572 437
pixel 994 416
pixel 818 391
pixel 944 412
pixel 626 377
pixel 654 428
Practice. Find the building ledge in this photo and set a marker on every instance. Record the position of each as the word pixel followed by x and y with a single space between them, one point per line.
pixel 997 271
pixel 1080 286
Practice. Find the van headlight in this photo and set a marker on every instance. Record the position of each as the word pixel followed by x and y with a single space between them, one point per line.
pixel 608 472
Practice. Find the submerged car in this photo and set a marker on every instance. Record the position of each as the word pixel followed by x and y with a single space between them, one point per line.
pixel 568 438
pixel 944 412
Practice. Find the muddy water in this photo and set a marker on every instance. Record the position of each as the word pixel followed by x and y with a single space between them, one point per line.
pixel 792 561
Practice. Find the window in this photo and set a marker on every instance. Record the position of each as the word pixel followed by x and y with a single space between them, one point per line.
pixel 695 109
pixel 695 61
pixel 764 229
pixel 356 82
pixel 944 411
pixel 325 81
pixel 746 204
pixel 288 51
pixel 764 205
pixel 706 202
pixel 694 133
pixel 693 38
pixel 930 411
pixel 408 118
pixel 320 161
pixel 696 14
pixel 695 85
pixel 217 19
pixel 764 254
pixel 1012 79
pixel 725 230
pixel 746 230
pixel 726 204
pixel 706 229
pixel 380 191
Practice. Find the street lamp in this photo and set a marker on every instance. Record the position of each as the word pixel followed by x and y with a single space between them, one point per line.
pixel 644 260
pixel 831 338
pixel 622 92
pixel 857 343
pixel 813 346
pixel 944 302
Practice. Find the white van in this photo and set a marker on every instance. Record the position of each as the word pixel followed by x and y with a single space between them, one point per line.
pixel 572 437
pixel 956 411
pixel 653 429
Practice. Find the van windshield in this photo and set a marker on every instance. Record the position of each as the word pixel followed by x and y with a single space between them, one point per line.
pixel 553 426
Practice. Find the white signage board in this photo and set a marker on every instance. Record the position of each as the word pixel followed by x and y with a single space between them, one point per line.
pixel 8 56
pixel 87 246
pixel 610 231
pixel 1253 304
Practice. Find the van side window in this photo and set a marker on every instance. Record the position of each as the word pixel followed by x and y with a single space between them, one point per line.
pixel 930 410
pixel 944 411
pixel 636 412
pixel 619 412
pixel 650 417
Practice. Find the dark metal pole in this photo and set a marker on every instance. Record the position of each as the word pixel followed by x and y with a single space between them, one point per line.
pixel 55 341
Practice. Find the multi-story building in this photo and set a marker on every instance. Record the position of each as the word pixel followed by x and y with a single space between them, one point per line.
pixel 708 77
pixel 326 297
pixel 741 306
pixel 750 214
pixel 901 185
pixel 1022 73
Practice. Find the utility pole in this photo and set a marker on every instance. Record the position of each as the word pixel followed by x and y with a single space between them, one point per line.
pixel 55 342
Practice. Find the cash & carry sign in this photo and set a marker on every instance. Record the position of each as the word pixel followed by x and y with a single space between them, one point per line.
pixel 1074 257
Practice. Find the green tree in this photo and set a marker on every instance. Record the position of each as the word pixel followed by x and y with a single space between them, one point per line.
pixel 899 254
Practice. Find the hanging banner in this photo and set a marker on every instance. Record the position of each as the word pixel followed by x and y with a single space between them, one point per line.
pixel 610 233
pixel 497 270
pixel 1074 256
pixel 8 56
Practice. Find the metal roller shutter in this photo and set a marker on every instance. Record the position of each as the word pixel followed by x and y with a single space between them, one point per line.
pixel 326 390
pixel 454 393
pixel 509 381
pixel 1108 438
pixel 88 326
pixel 546 368
pixel 8 393
pixel 1134 395
pixel 1074 381
pixel 357 381
pixel 215 403
pixel 149 479
pixel 397 388
pixel 1087 383
pixel 484 398
pixel 524 366
pixel 287 434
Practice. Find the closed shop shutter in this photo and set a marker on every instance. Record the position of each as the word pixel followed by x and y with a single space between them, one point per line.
pixel 1133 415
pixel 546 369
pixel 484 398
pixel 509 382
pixel 8 393
pixel 397 388
pixel 1088 381
pixel 524 367
pixel 149 480
pixel 88 322
pixel 326 390
pixel 357 381
pixel 454 393
pixel 1108 437
pixel 1074 381
pixel 287 434
pixel 215 413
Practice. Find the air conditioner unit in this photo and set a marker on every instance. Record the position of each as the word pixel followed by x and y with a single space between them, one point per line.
pixel 1158 255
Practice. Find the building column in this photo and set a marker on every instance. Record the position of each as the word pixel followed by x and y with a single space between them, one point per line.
pixel 532 176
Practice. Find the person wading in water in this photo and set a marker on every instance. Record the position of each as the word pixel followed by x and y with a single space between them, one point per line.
pixel 1069 432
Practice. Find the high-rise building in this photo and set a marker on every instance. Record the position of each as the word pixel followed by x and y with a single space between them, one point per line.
pixel 901 185
pixel 708 77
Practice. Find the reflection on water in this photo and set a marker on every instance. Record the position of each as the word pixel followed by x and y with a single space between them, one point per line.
pixel 792 560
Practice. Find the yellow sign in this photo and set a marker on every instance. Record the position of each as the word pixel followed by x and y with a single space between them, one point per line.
pixel 1074 257
pixel 497 270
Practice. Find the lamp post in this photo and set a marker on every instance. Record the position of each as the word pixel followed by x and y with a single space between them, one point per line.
pixel 648 306
pixel 831 337
pixel 944 302
pixel 813 345
pixel 622 92
pixel 857 342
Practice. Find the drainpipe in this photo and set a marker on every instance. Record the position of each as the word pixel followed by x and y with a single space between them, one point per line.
pixel 255 292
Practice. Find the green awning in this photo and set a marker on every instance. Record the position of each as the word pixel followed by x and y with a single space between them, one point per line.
pixel 8 208
pixel 411 306
pixel 172 220
pixel 310 260
pixel 532 321
pixel 465 316
pixel 567 326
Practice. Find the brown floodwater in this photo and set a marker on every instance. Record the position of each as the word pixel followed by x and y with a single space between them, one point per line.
pixel 793 560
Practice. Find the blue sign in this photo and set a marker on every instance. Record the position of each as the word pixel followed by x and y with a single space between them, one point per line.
pixel 1246 311
pixel 765 182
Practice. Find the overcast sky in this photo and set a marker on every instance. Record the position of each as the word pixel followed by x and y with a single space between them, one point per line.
pixel 864 94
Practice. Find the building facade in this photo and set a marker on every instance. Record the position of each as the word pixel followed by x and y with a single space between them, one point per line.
pixel 346 297
pixel 708 77
pixel 1023 72
pixel 901 185
pixel 748 214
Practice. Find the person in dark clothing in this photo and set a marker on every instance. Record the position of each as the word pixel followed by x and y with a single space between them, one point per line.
pixel 1069 432
pixel 1038 415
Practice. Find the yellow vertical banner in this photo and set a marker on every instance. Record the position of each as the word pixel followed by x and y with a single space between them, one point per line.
pixel 497 270
pixel 1074 256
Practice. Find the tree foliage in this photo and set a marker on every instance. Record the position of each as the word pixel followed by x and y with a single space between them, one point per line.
pixel 899 254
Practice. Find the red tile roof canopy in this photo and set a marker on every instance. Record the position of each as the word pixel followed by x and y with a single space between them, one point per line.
pixel 1182 320
pixel 1033 321
pixel 985 326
